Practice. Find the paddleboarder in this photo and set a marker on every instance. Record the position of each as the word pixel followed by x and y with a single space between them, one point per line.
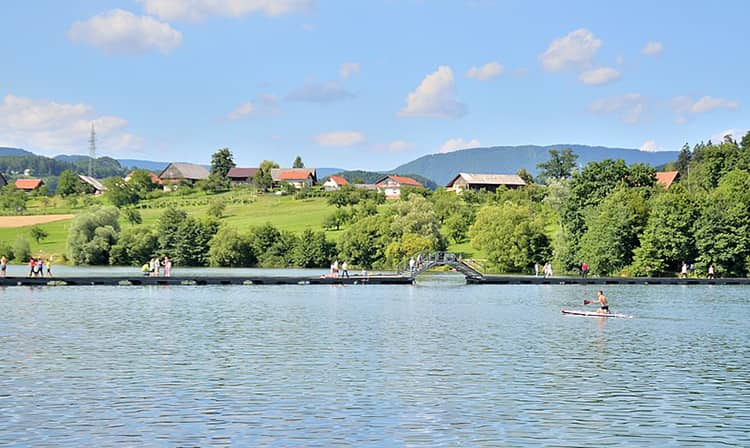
pixel 602 301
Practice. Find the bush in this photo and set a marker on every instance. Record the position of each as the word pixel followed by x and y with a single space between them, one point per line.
pixel 134 247
pixel 92 235
pixel 21 249
pixel 229 248
pixel 7 250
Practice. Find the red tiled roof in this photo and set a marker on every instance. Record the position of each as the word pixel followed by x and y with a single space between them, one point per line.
pixel 295 174
pixel 244 173
pixel 402 180
pixel 666 178
pixel 339 180
pixel 28 184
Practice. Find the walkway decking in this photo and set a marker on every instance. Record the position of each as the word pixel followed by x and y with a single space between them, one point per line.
pixel 197 280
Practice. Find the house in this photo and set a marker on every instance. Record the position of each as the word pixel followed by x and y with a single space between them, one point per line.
pixel 390 185
pixel 154 178
pixel 488 182
pixel 3 180
pixel 667 178
pixel 239 176
pixel 98 187
pixel 177 172
pixel 334 183
pixel 299 177
pixel 28 185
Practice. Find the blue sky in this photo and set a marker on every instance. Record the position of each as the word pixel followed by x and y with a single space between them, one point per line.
pixel 367 84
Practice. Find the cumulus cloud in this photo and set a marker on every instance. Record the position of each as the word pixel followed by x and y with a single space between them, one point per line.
pixel 576 49
pixel 487 71
pixel 455 144
pixel 686 104
pixel 196 10
pixel 326 92
pixel 597 76
pixel 50 127
pixel 435 97
pixel 265 105
pixel 630 107
pixel 653 48
pixel 395 146
pixel 649 146
pixel 348 69
pixel 122 32
pixel 339 139
pixel 735 134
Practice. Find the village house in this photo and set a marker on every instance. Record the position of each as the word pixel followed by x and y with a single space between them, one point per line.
pixel 390 185
pixel 298 177
pixel 176 173
pixel 334 183
pixel 95 184
pixel 241 176
pixel 154 178
pixel 29 185
pixel 667 178
pixel 487 182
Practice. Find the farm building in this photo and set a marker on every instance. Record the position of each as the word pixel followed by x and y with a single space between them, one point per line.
pixel 667 178
pixel 334 183
pixel 488 182
pixel 95 184
pixel 29 185
pixel 177 172
pixel 299 177
pixel 391 185
pixel 240 176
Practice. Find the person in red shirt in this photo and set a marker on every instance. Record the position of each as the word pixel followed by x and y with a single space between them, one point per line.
pixel 32 266
pixel 584 269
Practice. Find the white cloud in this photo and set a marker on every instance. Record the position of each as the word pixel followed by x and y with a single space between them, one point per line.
pixel 597 76
pixel 685 104
pixel 50 127
pixel 455 144
pixel 435 97
pixel 736 134
pixel 349 69
pixel 265 105
pixel 339 138
pixel 576 49
pixel 326 92
pixel 395 146
pixel 487 71
pixel 653 48
pixel 122 32
pixel 649 146
pixel 630 106
pixel 195 10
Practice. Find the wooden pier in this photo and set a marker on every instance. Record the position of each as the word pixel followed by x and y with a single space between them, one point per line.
pixel 531 280
pixel 198 280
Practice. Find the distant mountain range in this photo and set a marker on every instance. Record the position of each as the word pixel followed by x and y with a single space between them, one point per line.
pixel 508 159
pixel 441 168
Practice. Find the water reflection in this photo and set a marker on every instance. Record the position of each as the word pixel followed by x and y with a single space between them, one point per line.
pixel 427 365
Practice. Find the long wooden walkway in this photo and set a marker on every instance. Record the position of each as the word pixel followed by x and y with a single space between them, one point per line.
pixel 531 280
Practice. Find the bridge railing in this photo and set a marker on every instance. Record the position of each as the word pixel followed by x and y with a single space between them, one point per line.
pixel 425 260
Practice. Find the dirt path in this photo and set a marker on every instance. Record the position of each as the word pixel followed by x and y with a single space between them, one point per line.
pixel 22 221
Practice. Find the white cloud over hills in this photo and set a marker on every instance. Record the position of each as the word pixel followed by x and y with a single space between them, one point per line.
pixel 196 10
pixel 122 32
pixel 46 126
pixel 435 97
pixel 455 144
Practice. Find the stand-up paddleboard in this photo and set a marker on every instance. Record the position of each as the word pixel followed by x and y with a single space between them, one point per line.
pixel 595 314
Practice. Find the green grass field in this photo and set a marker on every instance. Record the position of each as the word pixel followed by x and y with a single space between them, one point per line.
pixel 283 212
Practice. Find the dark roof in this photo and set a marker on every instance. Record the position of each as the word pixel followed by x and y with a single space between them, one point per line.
pixel 242 173
pixel 188 171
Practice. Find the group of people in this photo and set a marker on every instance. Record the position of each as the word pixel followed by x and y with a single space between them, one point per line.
pixel 688 269
pixel 545 270
pixel 37 265
pixel 339 271
pixel 415 263
pixel 157 267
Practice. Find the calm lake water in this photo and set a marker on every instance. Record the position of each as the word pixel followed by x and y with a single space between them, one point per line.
pixel 436 364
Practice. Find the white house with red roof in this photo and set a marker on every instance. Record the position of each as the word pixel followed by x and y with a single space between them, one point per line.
pixel 334 183
pixel 299 177
pixel 390 185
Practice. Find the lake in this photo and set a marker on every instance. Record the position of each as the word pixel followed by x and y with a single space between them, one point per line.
pixel 434 364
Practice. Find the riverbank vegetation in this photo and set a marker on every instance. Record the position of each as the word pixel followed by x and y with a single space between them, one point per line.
pixel 613 216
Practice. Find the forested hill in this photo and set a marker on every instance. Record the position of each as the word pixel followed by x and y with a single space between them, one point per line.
pixel 509 159
pixel 15 161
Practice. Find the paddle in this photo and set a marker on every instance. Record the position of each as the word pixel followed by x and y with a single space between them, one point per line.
pixel 586 302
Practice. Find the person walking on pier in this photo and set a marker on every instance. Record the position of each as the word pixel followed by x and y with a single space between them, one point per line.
pixel 32 264
pixel 3 266
pixel 536 269
pixel 411 265
pixel 684 270
pixel 710 271
pixel 345 269
pixel 49 266
pixel 167 267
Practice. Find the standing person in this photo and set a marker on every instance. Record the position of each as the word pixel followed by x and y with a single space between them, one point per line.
pixel 584 269
pixel 49 266
pixel 335 268
pixel 710 270
pixel 419 260
pixel 684 270
pixel 167 267
pixel 536 269
pixel 39 267
pixel 345 269
pixel 157 266
pixel 3 266
pixel 411 265
pixel 32 264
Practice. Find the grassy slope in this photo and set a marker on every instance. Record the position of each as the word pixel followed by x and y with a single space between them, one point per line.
pixel 284 212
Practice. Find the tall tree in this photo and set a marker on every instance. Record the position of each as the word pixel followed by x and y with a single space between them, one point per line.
pixel 560 164
pixel 262 179
pixel 298 163
pixel 683 160
pixel 221 162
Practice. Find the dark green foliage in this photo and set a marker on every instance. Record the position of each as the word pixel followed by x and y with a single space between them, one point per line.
pixel 216 209
pixel 21 249
pixel 135 246
pixel 221 162
pixel 560 164
pixel 133 216
pixel 192 242
pixel 11 199
pixel 38 233
pixel 229 248
pixel 121 193
pixel 337 219
pixel 364 242
pixel 92 235
pixel 262 179
pixel 313 250
pixel 68 183
pixel 167 230
pixel 298 162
